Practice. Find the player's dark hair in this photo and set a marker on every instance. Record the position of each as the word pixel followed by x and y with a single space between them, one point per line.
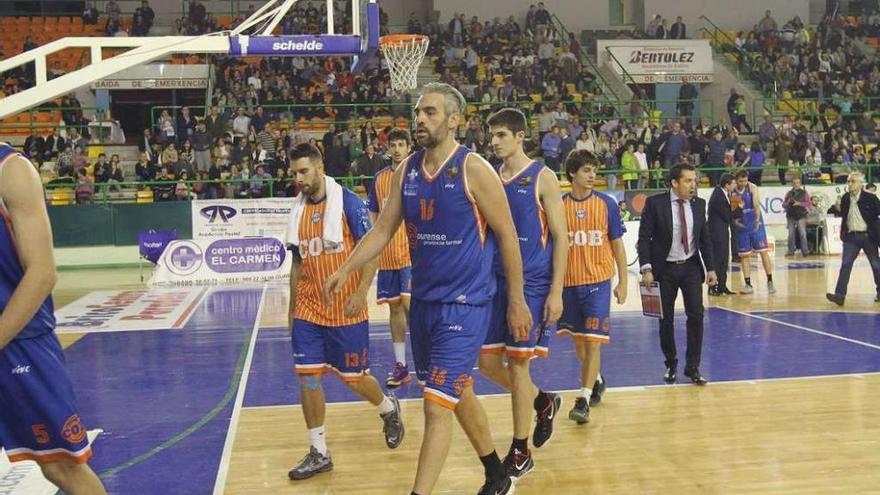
pixel 725 180
pixel 398 134
pixel 742 173
pixel 577 159
pixel 511 118
pixel 306 150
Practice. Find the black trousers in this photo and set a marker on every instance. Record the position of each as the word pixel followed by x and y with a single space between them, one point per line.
pixel 689 278
pixel 721 250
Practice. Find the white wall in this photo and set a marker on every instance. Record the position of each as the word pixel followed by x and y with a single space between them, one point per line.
pixel 575 14
pixel 730 16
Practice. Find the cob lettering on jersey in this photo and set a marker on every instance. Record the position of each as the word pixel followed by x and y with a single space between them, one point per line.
pixel 590 259
pixel 396 255
pixel 319 261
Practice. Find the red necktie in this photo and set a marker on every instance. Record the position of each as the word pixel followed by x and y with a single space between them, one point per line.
pixel 684 226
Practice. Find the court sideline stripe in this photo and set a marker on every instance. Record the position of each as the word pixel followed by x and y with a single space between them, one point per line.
pixel 167 444
pixel 188 311
pixel 803 328
pixel 223 470
pixel 631 388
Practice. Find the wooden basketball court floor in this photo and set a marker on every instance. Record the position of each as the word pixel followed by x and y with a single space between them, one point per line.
pixel 211 407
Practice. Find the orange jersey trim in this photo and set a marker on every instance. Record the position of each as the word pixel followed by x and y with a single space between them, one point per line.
pixel 47 458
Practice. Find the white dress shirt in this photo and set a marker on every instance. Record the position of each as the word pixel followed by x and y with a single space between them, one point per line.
pixel 854 219
pixel 676 252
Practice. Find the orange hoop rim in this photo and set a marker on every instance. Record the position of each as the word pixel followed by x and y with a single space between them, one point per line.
pixel 394 40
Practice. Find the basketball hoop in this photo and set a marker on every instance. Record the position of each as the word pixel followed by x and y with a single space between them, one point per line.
pixel 404 54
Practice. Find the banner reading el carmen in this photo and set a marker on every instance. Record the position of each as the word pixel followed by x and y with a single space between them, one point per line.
pixel 205 262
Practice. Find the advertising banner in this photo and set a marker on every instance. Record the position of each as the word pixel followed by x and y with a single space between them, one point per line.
pixel 225 218
pixel 205 262
pixel 125 310
pixel 660 61
pixel 298 44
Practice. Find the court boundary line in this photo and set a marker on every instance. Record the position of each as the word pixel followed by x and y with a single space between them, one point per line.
pixel 232 429
pixel 188 312
pixel 629 388
pixel 803 328
pixel 828 311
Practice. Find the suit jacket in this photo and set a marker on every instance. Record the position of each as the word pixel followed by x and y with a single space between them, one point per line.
pixel 869 207
pixel 678 31
pixel 720 214
pixel 655 233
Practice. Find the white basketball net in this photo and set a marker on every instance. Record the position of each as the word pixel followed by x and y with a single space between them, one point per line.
pixel 403 58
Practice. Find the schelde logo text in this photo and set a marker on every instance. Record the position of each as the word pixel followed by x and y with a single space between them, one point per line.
pixel 310 46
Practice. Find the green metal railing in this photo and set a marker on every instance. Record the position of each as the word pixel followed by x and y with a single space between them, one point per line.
pixel 836 107
pixel 103 191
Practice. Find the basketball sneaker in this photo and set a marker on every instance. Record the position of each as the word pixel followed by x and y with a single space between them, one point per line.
pixel 393 428
pixel 544 419
pixel 518 463
pixel 501 486
pixel 580 413
pixel 313 463
pixel 770 288
pixel 398 376
pixel 747 290
pixel 598 390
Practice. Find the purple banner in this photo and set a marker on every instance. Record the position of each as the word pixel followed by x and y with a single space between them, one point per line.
pixel 260 254
pixel 152 243
pixel 295 45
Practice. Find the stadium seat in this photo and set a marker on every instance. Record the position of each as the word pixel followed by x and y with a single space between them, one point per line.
pixel 61 197
pixel 144 196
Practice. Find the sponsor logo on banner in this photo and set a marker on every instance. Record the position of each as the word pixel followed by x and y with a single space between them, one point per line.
pixel 222 261
pixel 219 219
pixel 218 212
pixel 660 61
pixel 114 311
pixel 291 45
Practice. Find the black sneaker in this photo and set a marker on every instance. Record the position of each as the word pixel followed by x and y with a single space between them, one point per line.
pixel 544 420
pixel 598 390
pixel 313 463
pixel 502 486
pixel 518 464
pixel 393 428
pixel 580 413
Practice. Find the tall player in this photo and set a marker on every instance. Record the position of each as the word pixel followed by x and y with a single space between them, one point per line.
pixel 39 418
pixel 449 198
pixel 334 335
pixel 750 234
pixel 534 197
pixel 394 282
pixel 595 248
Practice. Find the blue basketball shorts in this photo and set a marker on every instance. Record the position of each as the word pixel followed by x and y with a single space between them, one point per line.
pixel 498 337
pixel 344 350
pixel 392 285
pixel 748 240
pixel 446 340
pixel 586 312
pixel 39 417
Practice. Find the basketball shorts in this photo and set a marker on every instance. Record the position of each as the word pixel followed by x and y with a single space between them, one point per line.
pixel 39 418
pixel 748 240
pixel 585 312
pixel 498 337
pixel 392 285
pixel 446 340
pixel 345 349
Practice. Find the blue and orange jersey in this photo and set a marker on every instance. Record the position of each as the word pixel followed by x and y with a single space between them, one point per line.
pixel 449 241
pixel 530 220
pixel 396 254
pixel 593 222
pixel 320 260
pixel 11 271
pixel 743 200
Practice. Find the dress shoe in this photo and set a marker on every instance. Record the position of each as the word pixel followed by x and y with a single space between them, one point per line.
pixel 714 293
pixel 670 376
pixel 695 377
pixel 728 292
pixel 835 298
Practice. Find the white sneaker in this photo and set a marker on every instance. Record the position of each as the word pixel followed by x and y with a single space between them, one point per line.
pixel 747 290
pixel 770 288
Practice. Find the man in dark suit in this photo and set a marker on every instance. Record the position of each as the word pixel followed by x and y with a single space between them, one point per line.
pixel 678 31
pixel 720 216
pixel 673 247
pixel 859 231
